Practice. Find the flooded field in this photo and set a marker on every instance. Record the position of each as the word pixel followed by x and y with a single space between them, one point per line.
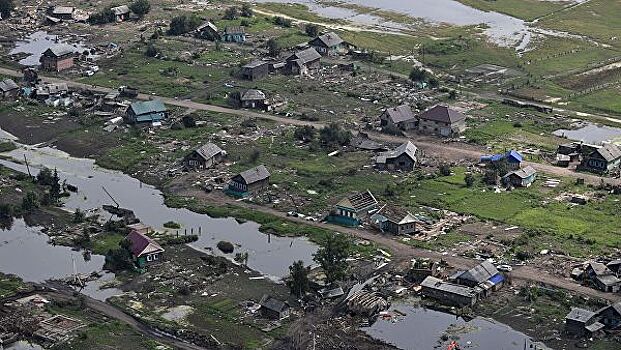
pixel 36 43
pixel 425 329
pixel 269 255
pixel 591 133
pixel 23 345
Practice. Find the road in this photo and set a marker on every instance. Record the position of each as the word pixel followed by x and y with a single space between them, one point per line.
pixel 431 146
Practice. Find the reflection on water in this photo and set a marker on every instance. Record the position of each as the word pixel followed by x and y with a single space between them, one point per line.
pixel 591 133
pixel 36 43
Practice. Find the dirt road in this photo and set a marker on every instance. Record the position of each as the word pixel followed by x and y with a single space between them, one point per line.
pixel 431 146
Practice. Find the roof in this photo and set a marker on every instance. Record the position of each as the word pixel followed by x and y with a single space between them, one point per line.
pixel 305 56
pixel 8 85
pixel 609 152
pixel 207 24
pixel 436 283
pixel 234 30
pixel 252 95
pixel 523 173
pixel 255 64
pixel 594 327
pixel 329 39
pixel 141 244
pixel 208 151
pixel 480 273
pixel 359 201
pixel 442 114
pixel 120 10
pixel 58 50
pixel 366 144
pixel 255 174
pixel 273 304
pixel 407 148
pixel 400 114
pixel 398 216
pixel 608 280
pixel 599 268
pixel 513 155
pixel 580 315
pixel 147 107
pixel 62 10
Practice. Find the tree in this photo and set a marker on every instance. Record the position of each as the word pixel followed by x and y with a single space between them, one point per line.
pixel 490 177
pixel 298 279
pixel 332 257
pixel 6 6
pixel 469 180
pixel 312 30
pixel 333 136
pixel 140 7
pixel 231 13
pixel 246 10
pixel 120 258
pixel 104 16
pixel 305 133
pixel 445 169
pixel 79 216
pixel 30 202
pixel 273 47
pixel 183 24
pixel 151 51
pixel 419 75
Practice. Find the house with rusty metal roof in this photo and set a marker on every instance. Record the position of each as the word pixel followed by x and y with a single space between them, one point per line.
pixel 144 249
pixel 442 121
pixel 328 44
pixel 353 209
pixel 250 181
pixel 204 157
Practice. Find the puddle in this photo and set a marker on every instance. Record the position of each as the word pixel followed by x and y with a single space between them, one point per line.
pixel 591 133
pixel 270 255
pixel 423 329
pixel 36 43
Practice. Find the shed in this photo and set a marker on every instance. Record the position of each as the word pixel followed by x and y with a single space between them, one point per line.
pixel 8 88
pixel 303 62
pixel 273 308
pixel 204 157
pixel 121 13
pixel 254 99
pixel 251 180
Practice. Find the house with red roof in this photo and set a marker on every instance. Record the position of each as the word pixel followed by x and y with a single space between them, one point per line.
pixel 144 249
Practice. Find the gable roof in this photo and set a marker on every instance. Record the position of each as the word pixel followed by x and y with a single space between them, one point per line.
pixel 609 152
pixel 207 24
pixel 255 64
pixel 407 148
pixel 400 114
pixel 442 114
pixel 437 284
pixel 147 107
pixel 480 273
pixel 398 216
pixel 62 10
pixel 252 95
pixel 120 10
pixel 273 304
pixel 141 244
pixel 58 50
pixel 580 315
pixel 234 30
pixel 208 151
pixel 8 85
pixel 255 174
pixel 305 56
pixel 523 173
pixel 358 201
pixel 328 40
pixel 514 156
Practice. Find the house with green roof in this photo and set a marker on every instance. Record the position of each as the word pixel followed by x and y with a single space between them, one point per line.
pixel 146 112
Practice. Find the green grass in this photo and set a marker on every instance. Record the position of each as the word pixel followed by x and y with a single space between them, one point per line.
pixel 108 336
pixel 9 285
pixel 606 100
pixel 525 9
pixel 297 11
pixel 104 242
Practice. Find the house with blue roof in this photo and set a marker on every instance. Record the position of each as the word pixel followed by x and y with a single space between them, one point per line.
pixel 146 112
pixel 512 157
pixel 485 277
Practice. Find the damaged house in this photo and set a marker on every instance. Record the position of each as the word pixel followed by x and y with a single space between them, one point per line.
pixel 64 13
pixel 254 99
pixel 352 210
pixel 273 308
pixel 234 34
pixel 442 121
pixel 304 62
pixel 394 220
pixel 208 31
pixel 204 157
pixel 398 118
pixel 602 277
pixel 121 13
pixel 484 276
pixel 329 44
pixel 580 322
pixel 448 293
pixel 249 181
pixel 520 178
pixel 57 58
pixel 402 158
pixel 255 70
pixel 8 89
pixel 602 159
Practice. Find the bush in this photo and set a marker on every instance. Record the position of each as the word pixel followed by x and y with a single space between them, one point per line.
pixel 305 133
pixel 445 169
pixel 151 51
pixel 469 179
pixel 6 6
pixel 333 136
pixel 226 247
pixel 183 24
pixel 246 11
pixel 312 30
pixel 140 7
pixel 273 47
pixel 180 240
pixel 104 16
pixel 283 22
pixel 172 225
pixel 231 13
pixel 30 202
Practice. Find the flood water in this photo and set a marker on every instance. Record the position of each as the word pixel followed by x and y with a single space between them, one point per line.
pixel 23 345
pixel 423 329
pixel 269 255
pixel 36 43
pixel 591 133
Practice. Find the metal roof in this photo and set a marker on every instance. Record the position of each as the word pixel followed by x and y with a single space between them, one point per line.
pixel 141 244
pixel 255 174
pixel 234 30
pixel 442 114
pixel 407 148
pixel 147 107
pixel 62 10
pixel 329 39
pixel 359 201
pixel 523 173
pixel 436 283
pixel 400 114
pixel 207 24
pixel 609 152
pixel 253 95
pixel 580 315
pixel 273 304
pixel 480 273
pixel 59 50
pixel 8 85
pixel 208 151
pixel 305 56
pixel 120 10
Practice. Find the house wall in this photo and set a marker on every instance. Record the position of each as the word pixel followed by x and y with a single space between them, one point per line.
pixel 256 73
pixel 403 229
pixel 403 162
pixel 441 129
pixel 610 318
pixel 194 161
pixel 56 64
pixel 235 38
pixel 449 298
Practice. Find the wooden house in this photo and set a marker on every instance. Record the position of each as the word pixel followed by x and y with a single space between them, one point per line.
pixel 442 121
pixel 602 159
pixel 146 112
pixel 57 58
pixel 328 44
pixel 352 210
pixel 273 308
pixel 448 293
pixel 234 34
pixel 484 276
pixel 208 31
pixel 254 99
pixel 398 118
pixel 520 178
pixel 249 181
pixel 144 249
pixel 8 89
pixel 204 157
pixel 402 158
pixel 255 70
pixel 580 322
pixel 395 220
pixel 303 62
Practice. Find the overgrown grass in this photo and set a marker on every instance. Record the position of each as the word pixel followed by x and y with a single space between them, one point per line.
pixel 10 285
pixel 525 9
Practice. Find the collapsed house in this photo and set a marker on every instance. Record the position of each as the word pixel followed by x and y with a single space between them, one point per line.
pixel 352 210
pixel 204 157
pixel 397 221
pixel 208 31
pixel 602 277
pixel 402 158
pixel 484 276
pixel 250 181
pixel 365 303
pixel 423 268
pixel 448 293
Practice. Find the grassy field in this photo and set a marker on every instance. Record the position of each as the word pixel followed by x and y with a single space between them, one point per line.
pixel 10 285
pixel 109 335
pixel 606 101
pixel 527 10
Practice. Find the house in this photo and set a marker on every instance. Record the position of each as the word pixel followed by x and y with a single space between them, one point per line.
pixel 208 31
pixel 47 90
pixel 395 220
pixel 140 228
pixel 423 268
pixel 512 159
pixel 442 121
pixel 8 89
pixel 121 13
pixel 580 322
pixel 398 118
pixel 603 159
pixel 204 157
pixel 254 99
pixel 484 276
pixel 328 44
pixel 611 316
pixel 273 308
pixel 64 13
pixel 350 211
pixel 448 293
pixel 249 181
pixel 521 177
pixel 146 112
pixel 402 158
pixel 255 70
pixel 602 277
pixel 304 62
pixel 57 58
pixel 144 249
pixel 234 34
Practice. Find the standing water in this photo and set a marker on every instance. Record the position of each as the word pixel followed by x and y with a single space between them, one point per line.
pixel 38 42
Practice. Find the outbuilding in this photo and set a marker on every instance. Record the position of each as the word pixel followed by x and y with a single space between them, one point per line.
pixel 249 181
pixel 204 157
pixel 146 112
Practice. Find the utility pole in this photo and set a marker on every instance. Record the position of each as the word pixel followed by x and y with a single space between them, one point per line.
pixel 27 166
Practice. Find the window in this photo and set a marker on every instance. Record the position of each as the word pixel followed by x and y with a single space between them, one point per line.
pixel 149 258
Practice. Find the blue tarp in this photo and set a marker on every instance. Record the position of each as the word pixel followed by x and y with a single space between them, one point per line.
pixel 514 157
pixel 497 279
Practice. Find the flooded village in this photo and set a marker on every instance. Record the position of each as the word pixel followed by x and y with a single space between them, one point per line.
pixel 284 175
